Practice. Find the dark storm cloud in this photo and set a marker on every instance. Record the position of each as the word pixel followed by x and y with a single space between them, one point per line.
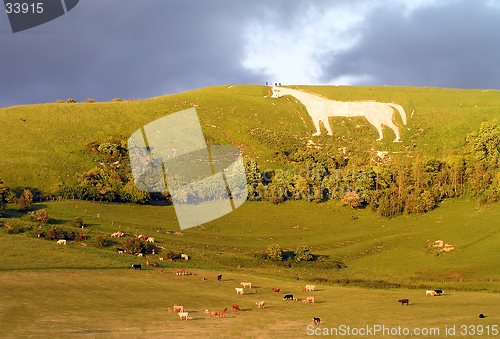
pixel 451 45
pixel 123 48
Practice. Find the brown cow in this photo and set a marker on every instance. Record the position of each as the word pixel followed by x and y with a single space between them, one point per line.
pixel 236 308
pixel 147 263
pixel 156 264
pixel 276 290
pixel 404 301
pixel 214 314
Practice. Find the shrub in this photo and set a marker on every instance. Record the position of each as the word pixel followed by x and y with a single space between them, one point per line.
pixel 134 245
pixel 40 216
pixel 78 222
pixel 71 101
pixel 274 252
pixel 55 233
pixel 352 199
pixel 100 241
pixel 25 201
pixel 170 254
pixel 59 101
pixel 4 196
pixel 15 230
pixel 90 101
pixel 302 253
pixel 116 99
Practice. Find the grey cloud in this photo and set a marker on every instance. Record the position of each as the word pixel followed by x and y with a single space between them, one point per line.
pixel 450 45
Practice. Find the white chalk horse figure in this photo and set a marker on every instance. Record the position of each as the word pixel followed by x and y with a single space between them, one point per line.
pixel 320 109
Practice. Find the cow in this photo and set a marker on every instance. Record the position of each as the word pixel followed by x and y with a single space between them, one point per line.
pixel 316 321
pixel 310 300
pixel 219 277
pixel 61 242
pixel 203 279
pixel 239 290
pixel 310 287
pixel 303 290
pixel 206 311
pixel 275 290
pixel 151 240
pixel 224 315
pixel 261 304
pixel 120 250
pixel 178 308
pixel 214 314
pixel 288 297
pixel 295 299
pixel 482 316
pixel 140 255
pixel 183 315
pixel 135 267
pixel 161 271
pixel 439 292
pixel 41 235
pixel 225 310
pixel 246 284
pixel 147 263
pixel 184 256
pixel 430 292
pixel 156 264
pixel 170 309
pixel 83 236
pixel 236 308
pixel 180 272
pixel 161 259
pixel 404 301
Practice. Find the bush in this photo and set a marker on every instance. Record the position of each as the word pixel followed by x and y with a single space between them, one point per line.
pixel 302 253
pixel 116 99
pixel 40 216
pixel 352 199
pixel 90 101
pixel 15 230
pixel 78 222
pixel 274 252
pixel 55 233
pixel 25 201
pixel 71 101
pixel 170 254
pixel 134 245
pixel 100 241
pixel 59 101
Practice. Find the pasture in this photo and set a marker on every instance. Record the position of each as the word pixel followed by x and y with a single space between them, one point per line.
pixel 134 304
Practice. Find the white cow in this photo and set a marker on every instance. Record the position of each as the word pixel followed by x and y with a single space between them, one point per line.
pixel 184 315
pixel 61 242
pixel 239 290
pixel 431 293
pixel 310 287
pixel 152 240
pixel 184 256
pixel 246 284
pixel 261 304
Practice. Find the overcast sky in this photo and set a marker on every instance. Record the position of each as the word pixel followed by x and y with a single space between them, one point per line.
pixel 104 49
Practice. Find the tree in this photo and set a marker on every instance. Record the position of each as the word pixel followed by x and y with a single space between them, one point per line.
pixel 485 144
pixel 100 241
pixel 25 201
pixel 4 196
pixel 274 252
pixel 302 253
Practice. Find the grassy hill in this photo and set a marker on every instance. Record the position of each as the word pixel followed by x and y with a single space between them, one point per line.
pixel 41 145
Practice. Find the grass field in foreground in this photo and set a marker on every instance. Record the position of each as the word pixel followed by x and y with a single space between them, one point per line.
pixel 134 304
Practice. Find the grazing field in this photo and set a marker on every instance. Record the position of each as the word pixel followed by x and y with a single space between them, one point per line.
pixel 134 304
pixel 352 247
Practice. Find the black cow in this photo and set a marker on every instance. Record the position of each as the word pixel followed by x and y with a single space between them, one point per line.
pixel 136 267
pixel 219 277
pixel 439 292
pixel 316 321
pixel 120 250
pixel 482 316
pixel 156 264
pixel 288 297
pixel 404 301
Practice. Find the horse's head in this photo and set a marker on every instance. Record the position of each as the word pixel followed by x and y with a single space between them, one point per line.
pixel 276 92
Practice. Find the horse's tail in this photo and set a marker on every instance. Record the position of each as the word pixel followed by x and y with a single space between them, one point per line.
pixel 401 111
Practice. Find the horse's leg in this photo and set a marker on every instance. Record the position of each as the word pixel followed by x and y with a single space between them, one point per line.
pixel 316 124
pixel 395 128
pixel 379 129
pixel 327 126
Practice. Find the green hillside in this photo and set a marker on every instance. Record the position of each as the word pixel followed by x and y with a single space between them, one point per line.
pixel 41 145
